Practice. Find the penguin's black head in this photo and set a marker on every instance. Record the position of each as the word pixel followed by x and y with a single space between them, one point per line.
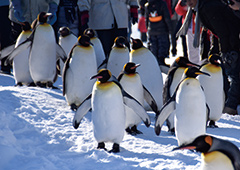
pixel 42 17
pixel 130 68
pixel 89 32
pixel 103 75
pixel 215 59
pixel 200 144
pixel 184 62
pixel 120 42
pixel 25 26
pixel 84 40
pixel 136 43
pixel 193 72
pixel 64 31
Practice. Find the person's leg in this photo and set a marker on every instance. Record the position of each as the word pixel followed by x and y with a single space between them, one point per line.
pixel 163 48
pixel 154 45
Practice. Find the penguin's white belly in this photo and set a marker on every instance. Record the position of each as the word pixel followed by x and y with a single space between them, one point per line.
pixel 213 90
pixel 100 55
pixel 21 67
pixel 108 114
pixel 132 85
pixel 150 74
pixel 43 55
pixel 67 44
pixel 21 62
pixel 118 57
pixel 216 161
pixel 81 67
pixel 190 119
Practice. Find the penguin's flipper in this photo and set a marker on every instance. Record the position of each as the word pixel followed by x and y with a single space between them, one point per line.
pixel 82 111
pixel 6 51
pixel 61 53
pixel 137 108
pixel 65 68
pixel 21 47
pixel 103 63
pixel 166 110
pixel 150 100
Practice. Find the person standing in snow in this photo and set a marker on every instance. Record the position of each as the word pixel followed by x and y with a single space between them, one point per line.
pixel 108 18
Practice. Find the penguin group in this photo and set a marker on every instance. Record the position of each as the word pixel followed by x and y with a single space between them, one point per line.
pixel 118 90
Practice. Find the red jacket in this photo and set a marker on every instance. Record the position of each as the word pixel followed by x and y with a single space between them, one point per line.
pixel 142 24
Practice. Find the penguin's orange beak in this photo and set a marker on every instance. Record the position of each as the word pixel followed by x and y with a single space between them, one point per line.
pixel 137 65
pixel 47 15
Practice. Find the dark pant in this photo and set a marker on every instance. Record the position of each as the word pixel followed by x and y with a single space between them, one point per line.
pixel 107 38
pixel 5 30
pixel 159 46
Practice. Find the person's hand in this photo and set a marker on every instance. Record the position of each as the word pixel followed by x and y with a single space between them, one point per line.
pixel 134 14
pixel 235 5
pixel 17 10
pixel 84 20
pixel 53 7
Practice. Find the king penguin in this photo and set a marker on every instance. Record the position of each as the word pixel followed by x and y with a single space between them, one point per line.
pixel 132 84
pixel 97 45
pixel 21 71
pixel 66 40
pixel 213 88
pixel 190 107
pixel 118 56
pixel 174 76
pixel 107 102
pixel 80 65
pixel 44 52
pixel 149 71
pixel 216 153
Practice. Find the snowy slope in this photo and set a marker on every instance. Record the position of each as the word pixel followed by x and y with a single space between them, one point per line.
pixel 36 132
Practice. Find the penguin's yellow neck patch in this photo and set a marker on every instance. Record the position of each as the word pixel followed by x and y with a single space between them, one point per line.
pixel 212 68
pixel 104 86
pixel 131 75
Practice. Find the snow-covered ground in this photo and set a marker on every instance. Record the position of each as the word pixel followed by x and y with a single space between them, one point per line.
pixel 36 133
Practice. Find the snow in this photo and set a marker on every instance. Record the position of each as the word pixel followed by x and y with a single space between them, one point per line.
pixel 36 132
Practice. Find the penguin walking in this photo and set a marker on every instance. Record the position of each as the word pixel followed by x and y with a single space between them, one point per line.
pixel 149 71
pixel 118 56
pixel 21 71
pixel 66 40
pixel 44 52
pixel 97 45
pixel 132 84
pixel 174 76
pixel 216 153
pixel 190 107
pixel 107 102
pixel 80 65
pixel 213 88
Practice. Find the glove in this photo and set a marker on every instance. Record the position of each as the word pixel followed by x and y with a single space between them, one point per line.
pixel 134 14
pixel 18 10
pixel 84 20
pixel 53 7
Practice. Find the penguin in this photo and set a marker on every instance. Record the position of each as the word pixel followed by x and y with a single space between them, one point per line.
pixel 149 71
pixel 190 107
pixel 44 52
pixel 173 78
pixel 107 102
pixel 213 87
pixel 216 153
pixel 119 56
pixel 97 45
pixel 66 40
pixel 80 65
pixel 131 83
pixel 21 71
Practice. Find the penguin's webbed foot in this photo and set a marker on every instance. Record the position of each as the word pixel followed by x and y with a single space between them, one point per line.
pixel 101 145
pixel 50 85
pixel 135 130
pixel 74 107
pixel 32 84
pixel 19 84
pixel 212 124
pixel 172 131
pixel 115 148
pixel 42 85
